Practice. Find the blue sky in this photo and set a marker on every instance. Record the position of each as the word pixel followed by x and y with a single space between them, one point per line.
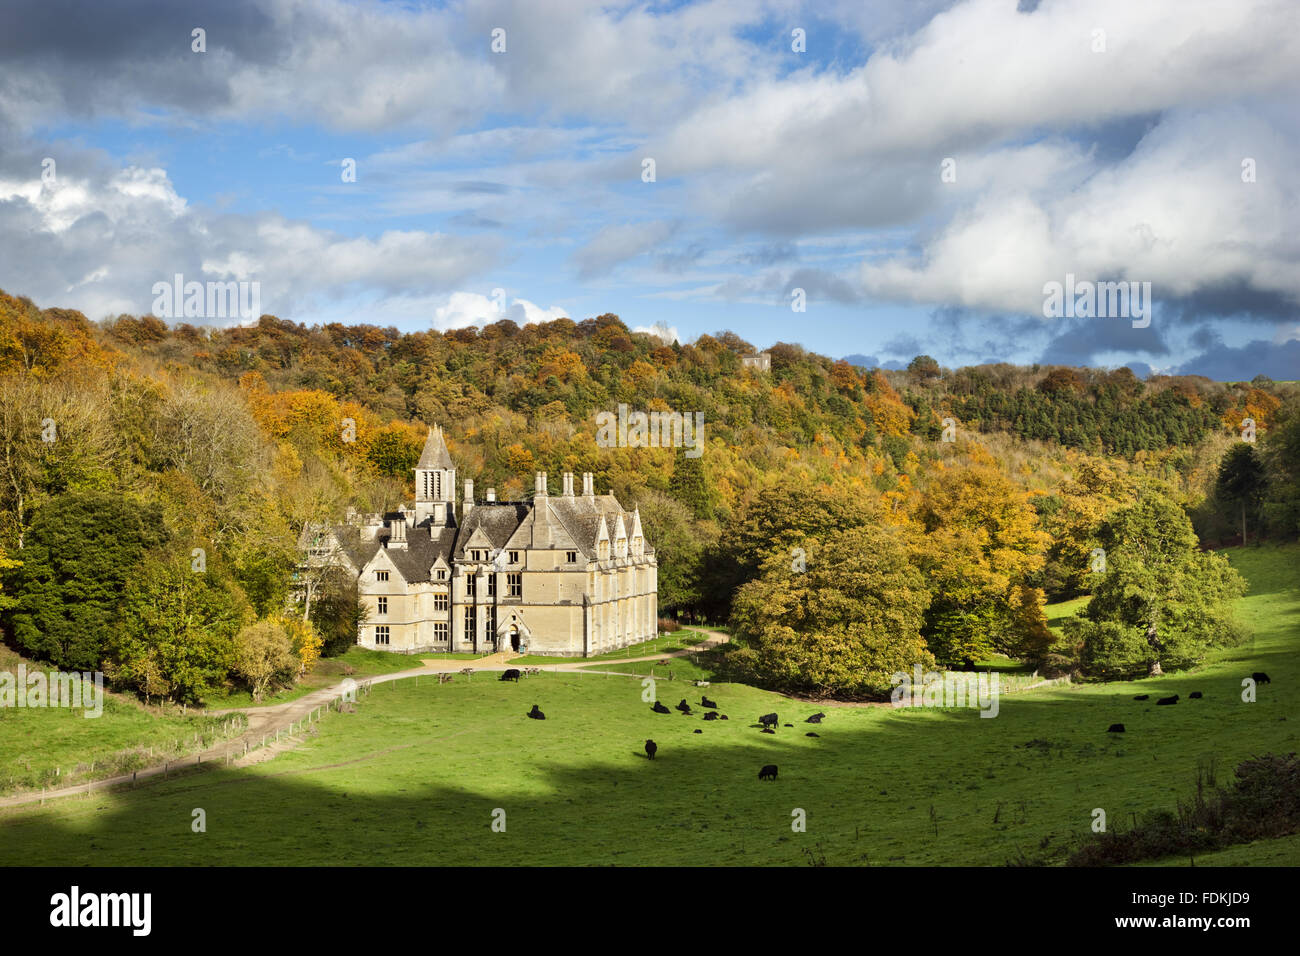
pixel 1098 138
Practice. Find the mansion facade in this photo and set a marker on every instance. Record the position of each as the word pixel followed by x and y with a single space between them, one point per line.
pixel 565 575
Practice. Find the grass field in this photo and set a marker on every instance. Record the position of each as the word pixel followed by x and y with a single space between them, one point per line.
pixel 663 644
pixel 356 662
pixel 414 775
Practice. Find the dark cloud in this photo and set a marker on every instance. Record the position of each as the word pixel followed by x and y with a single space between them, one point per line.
pixel 1080 342
pixel 1225 363
pixel 93 55
pixel 1233 300
pixel 863 361
pixel 820 284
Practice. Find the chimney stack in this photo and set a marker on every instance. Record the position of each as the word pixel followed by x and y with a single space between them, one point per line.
pixel 469 498
pixel 397 532
pixel 539 485
pixel 491 495
pixel 587 491
pixel 568 484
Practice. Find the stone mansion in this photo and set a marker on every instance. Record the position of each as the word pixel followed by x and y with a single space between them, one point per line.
pixel 565 575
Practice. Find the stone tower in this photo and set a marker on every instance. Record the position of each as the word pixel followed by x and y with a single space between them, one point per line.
pixel 435 482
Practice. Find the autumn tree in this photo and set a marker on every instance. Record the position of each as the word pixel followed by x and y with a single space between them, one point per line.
pixel 1162 602
pixel 263 656
pixel 980 547
pixel 842 625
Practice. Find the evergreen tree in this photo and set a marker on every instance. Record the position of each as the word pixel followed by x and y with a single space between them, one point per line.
pixel 81 551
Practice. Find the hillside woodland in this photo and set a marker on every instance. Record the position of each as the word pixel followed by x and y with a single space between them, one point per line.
pixel 848 522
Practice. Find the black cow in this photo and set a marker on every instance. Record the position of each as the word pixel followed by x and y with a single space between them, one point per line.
pixel 536 713
pixel 768 772
pixel 769 720
pixel 711 715
pixel 705 702
pixel 659 708
pixel 815 718
pixel 1195 695
pixel 1168 700
pixel 811 734
pixel 1115 729
pixel 650 748
pixel 1142 697
pixel 698 731
pixel 511 674
pixel 1259 677
pixel 722 717
pixel 684 707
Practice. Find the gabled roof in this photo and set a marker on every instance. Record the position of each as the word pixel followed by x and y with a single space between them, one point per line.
pixel 414 561
pixel 582 517
pixel 495 522
pixel 435 454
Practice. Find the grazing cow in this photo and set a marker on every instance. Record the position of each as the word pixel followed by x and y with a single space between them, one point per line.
pixel 811 734
pixel 701 683
pixel 659 708
pixel 1168 700
pixel 711 715
pixel 767 730
pixel 1195 695
pixel 684 707
pixel 650 748
pixel 1115 729
pixel 1142 697
pixel 444 678
pixel 705 702
pixel 536 713
pixel 698 731
pixel 769 720
pixel 511 674
pixel 722 717
pixel 815 718
pixel 768 772
pixel 1259 677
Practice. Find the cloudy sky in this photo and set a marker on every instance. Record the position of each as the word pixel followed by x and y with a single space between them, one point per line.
pixel 919 169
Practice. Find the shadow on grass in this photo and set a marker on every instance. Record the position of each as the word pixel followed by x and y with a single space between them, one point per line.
pixel 415 778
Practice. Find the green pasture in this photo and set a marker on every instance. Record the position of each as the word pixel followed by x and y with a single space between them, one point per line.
pixel 416 774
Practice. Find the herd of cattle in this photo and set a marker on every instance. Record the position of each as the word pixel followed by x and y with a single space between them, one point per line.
pixel 766 722
pixel 1259 677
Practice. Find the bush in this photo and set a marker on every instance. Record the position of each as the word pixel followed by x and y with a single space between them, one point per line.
pixel 1263 802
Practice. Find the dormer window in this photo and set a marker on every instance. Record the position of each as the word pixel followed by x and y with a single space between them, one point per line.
pixel 441 574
